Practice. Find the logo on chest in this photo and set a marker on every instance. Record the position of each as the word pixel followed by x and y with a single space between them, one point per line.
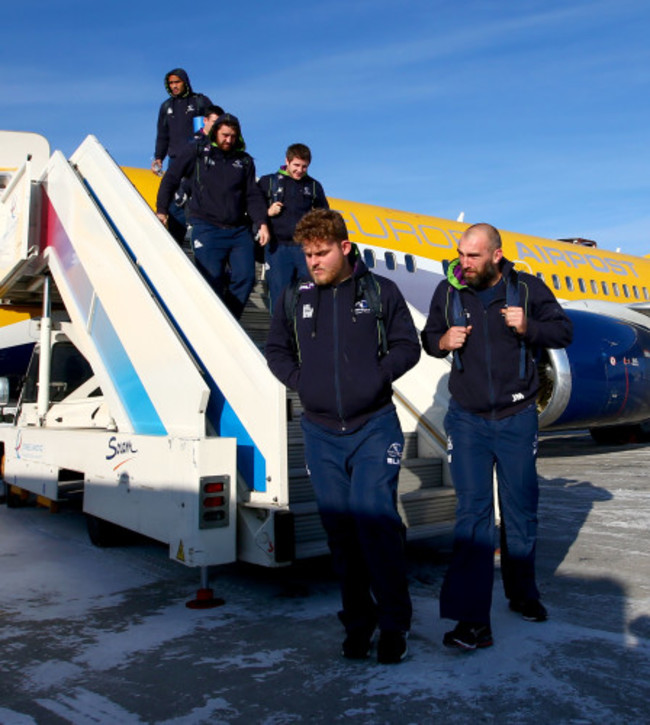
pixel 361 307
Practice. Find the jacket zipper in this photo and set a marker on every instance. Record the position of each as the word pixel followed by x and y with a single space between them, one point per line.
pixel 488 359
pixel 337 378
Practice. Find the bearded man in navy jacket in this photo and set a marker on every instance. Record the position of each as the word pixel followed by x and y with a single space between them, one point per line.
pixel 492 319
pixel 224 202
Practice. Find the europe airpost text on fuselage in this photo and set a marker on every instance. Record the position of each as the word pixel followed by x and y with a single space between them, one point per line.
pixel 404 231
pixel 400 230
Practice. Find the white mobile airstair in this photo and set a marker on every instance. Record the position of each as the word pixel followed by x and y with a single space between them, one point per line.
pixel 176 387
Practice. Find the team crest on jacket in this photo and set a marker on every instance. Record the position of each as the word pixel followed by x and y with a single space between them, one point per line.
pixel 361 307
pixel 394 454
pixel 307 311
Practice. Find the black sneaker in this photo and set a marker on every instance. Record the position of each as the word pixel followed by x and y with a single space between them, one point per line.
pixel 532 610
pixel 357 645
pixel 468 636
pixel 392 647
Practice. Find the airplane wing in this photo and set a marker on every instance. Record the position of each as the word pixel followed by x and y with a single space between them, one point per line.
pixel 642 307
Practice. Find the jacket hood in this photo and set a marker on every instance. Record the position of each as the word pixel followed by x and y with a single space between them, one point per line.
pixel 182 74
pixel 283 170
pixel 454 272
pixel 359 267
pixel 228 119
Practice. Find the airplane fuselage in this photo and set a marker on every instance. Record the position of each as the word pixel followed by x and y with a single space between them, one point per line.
pixel 402 244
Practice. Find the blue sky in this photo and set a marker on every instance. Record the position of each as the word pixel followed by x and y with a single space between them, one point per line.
pixel 532 115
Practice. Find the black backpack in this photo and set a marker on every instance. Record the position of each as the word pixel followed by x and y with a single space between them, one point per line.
pixel 366 286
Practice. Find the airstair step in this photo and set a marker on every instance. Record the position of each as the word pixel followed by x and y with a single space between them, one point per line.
pixel 256 318
pixel 300 488
pixel 255 314
pixel 420 473
pixel 427 507
pixel 296 455
pixel 410 445
pixel 425 513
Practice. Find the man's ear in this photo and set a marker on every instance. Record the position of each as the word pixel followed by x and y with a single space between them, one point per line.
pixel 346 246
pixel 498 255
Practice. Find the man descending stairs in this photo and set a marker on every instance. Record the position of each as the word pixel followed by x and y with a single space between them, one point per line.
pixel 425 504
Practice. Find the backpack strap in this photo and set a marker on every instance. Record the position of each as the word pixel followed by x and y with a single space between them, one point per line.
pixel 275 191
pixel 512 289
pixel 202 151
pixel 458 316
pixel 513 300
pixel 290 303
pixel 368 286
pixel 458 319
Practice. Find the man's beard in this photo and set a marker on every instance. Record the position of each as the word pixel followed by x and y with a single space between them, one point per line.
pixel 485 278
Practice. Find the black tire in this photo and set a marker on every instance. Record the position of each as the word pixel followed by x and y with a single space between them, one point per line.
pixel 14 500
pixel 617 435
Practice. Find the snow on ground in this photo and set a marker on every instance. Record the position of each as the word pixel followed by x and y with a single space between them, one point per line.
pixel 103 635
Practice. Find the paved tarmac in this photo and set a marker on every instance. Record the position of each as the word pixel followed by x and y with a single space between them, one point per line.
pixel 103 635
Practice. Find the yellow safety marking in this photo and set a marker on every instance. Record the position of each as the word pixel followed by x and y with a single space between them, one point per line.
pixel 180 554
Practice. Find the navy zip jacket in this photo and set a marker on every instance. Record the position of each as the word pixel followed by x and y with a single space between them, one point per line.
pixel 298 197
pixel 176 117
pixel 336 368
pixel 223 187
pixel 490 382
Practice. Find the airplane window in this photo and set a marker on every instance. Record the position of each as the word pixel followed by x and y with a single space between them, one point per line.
pixel 409 261
pixel 594 286
pixel 582 285
pixel 569 283
pixel 369 258
pixel 605 288
pixel 626 290
pixel 540 275
pixel 556 282
pixel 645 293
pixel 635 291
pixel 615 289
pixel 391 261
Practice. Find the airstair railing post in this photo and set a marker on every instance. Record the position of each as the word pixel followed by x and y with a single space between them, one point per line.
pixel 45 353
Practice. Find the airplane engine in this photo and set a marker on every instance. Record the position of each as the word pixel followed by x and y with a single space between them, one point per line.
pixel 602 379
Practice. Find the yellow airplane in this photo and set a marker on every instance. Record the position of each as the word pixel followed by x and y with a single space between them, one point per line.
pixel 602 381
pixel 573 269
